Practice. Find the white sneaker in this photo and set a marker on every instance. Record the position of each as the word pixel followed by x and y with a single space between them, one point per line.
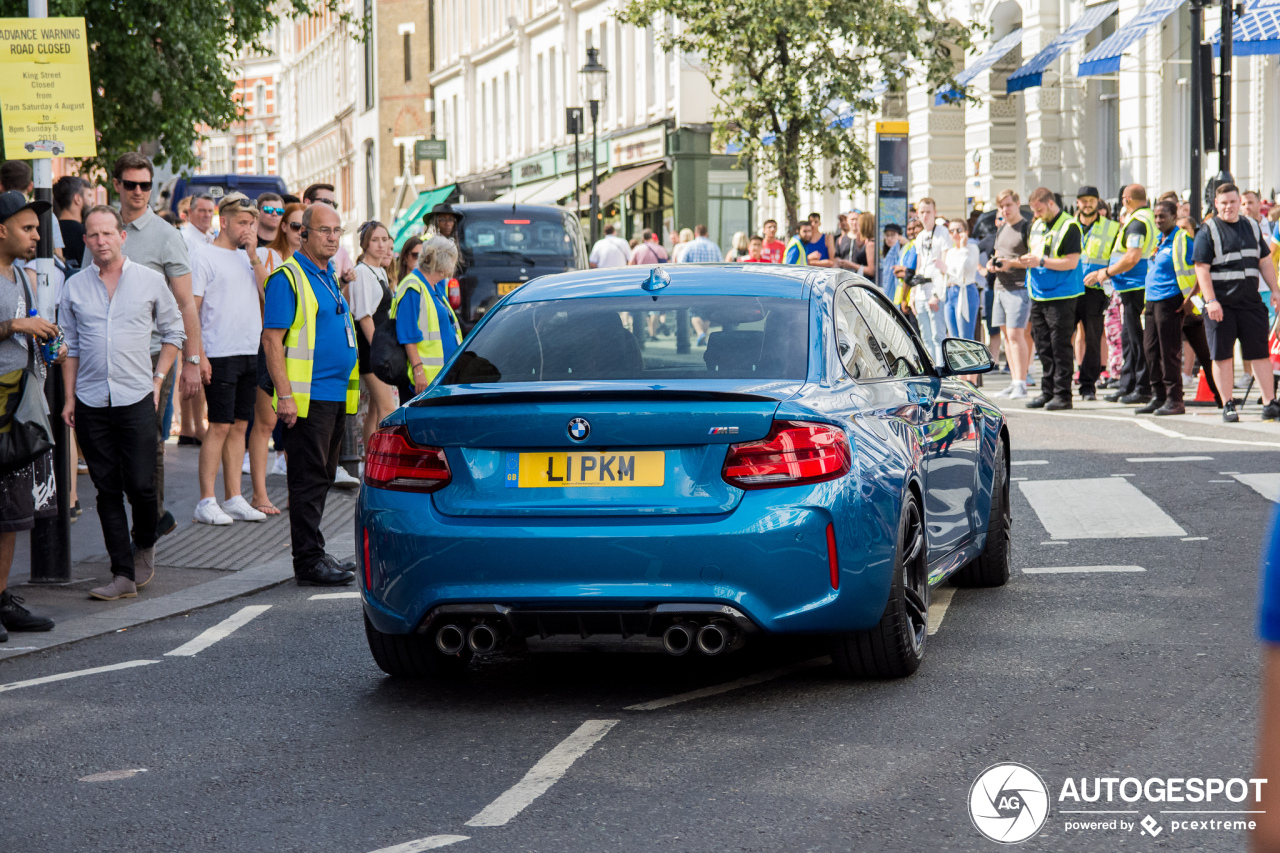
pixel 280 465
pixel 1004 392
pixel 239 509
pixel 1019 391
pixel 208 512
pixel 244 466
pixel 343 480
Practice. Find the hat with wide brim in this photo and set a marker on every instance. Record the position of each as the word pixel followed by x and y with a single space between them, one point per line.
pixel 444 208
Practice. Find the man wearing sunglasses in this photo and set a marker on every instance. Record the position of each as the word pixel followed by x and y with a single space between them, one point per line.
pixel 152 243
pixel 324 194
pixel 270 212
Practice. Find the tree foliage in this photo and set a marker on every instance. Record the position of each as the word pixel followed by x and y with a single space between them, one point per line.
pixel 161 69
pixel 783 70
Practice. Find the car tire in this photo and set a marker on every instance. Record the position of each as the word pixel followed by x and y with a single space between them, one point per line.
pixel 412 655
pixel 894 648
pixel 991 567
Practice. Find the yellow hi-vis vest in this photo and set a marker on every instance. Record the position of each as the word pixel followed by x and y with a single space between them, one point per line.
pixel 803 256
pixel 431 347
pixel 1147 218
pixel 1099 242
pixel 1184 270
pixel 300 342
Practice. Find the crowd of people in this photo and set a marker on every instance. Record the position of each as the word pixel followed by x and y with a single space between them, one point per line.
pixel 245 320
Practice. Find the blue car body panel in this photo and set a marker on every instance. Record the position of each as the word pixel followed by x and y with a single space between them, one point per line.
pixel 701 539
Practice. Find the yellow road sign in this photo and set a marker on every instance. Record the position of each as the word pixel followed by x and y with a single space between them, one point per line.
pixel 46 101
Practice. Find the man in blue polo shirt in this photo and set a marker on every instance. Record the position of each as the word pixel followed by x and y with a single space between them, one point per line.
pixel 1127 273
pixel 1056 285
pixel 311 355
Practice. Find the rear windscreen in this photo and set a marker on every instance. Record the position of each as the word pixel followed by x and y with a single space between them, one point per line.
pixel 625 338
pixel 515 236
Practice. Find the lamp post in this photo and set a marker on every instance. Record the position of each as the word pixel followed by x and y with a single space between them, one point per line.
pixel 594 76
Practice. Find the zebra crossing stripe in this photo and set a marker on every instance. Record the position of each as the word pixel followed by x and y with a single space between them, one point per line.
pixel 1098 508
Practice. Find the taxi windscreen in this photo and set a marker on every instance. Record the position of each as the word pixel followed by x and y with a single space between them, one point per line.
pixel 626 338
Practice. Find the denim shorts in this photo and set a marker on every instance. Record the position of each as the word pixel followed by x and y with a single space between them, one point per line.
pixel 1012 308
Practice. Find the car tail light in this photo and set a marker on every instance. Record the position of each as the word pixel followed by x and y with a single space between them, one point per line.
pixel 833 559
pixel 368 572
pixel 394 462
pixel 794 453
pixel 455 294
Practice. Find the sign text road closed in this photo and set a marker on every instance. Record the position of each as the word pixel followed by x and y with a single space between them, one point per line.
pixel 46 101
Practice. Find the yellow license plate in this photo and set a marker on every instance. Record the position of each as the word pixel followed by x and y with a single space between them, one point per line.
pixel 606 468
pixel 505 287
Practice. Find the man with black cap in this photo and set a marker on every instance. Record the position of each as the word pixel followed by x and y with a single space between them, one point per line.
pixel 19 505
pixel 1099 236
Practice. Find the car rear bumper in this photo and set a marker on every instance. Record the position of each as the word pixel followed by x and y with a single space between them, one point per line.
pixel 767 559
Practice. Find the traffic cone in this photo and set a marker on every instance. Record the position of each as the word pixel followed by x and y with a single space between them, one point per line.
pixel 1204 396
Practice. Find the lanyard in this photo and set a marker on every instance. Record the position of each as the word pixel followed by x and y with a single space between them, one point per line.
pixel 332 291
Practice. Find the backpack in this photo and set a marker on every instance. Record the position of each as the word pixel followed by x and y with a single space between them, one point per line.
pixel 387 355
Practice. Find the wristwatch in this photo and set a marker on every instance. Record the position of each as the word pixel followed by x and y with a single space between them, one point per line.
pixel 159 376
pixel 192 359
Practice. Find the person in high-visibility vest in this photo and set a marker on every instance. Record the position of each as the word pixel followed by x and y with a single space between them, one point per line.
pixel 1100 235
pixel 425 323
pixel 1056 285
pixel 1168 292
pixel 1127 273
pixel 310 346
pixel 796 253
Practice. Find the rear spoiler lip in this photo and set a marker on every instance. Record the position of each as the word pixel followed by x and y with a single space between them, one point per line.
pixel 601 395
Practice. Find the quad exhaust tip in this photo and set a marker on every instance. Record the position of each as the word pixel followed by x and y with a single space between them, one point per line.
pixel 678 639
pixel 450 640
pixel 713 639
pixel 483 639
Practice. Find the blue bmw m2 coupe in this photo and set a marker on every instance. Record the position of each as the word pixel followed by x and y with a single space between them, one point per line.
pixel 693 453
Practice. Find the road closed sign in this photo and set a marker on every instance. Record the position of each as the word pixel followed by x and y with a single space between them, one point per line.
pixel 46 102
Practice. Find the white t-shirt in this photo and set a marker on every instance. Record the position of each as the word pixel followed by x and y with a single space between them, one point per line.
pixel 610 251
pixel 270 258
pixel 231 315
pixel 366 291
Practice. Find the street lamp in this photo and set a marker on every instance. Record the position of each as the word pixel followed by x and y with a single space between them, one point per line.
pixel 594 77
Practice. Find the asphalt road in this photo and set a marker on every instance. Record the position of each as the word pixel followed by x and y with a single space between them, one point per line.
pixel 284 736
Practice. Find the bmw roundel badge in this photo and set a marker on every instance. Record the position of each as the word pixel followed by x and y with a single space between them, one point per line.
pixel 579 429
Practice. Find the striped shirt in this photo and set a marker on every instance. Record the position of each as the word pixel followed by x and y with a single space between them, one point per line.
pixel 702 251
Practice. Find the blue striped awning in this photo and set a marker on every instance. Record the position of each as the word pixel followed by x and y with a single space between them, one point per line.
pixel 1029 75
pixel 1256 32
pixel 982 63
pixel 1105 58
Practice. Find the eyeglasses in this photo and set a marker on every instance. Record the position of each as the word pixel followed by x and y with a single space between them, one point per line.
pixel 330 232
pixel 413 256
pixel 273 211
pixel 131 186
pixel 242 203
pixel 295 226
pixel 956 230
pixel 328 201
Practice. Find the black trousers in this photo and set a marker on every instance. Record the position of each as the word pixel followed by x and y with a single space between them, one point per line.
pixel 1193 331
pixel 1091 310
pixel 1133 374
pixel 119 446
pixel 1162 343
pixel 1052 325
pixel 166 391
pixel 313 444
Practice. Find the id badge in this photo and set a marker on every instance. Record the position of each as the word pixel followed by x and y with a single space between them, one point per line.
pixel 351 336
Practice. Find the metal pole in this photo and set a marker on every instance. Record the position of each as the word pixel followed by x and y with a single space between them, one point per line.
pixel 577 179
pixel 595 197
pixel 1224 91
pixel 1197 71
pixel 51 537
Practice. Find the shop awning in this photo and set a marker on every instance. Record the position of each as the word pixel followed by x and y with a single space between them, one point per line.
pixel 558 188
pixel 1029 75
pixel 982 63
pixel 524 192
pixel 1256 32
pixel 410 222
pixel 1105 58
pixel 620 182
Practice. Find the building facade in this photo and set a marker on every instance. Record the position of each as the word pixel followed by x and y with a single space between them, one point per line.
pixel 250 146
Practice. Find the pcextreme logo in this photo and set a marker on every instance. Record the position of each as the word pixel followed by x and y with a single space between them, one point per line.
pixel 1009 803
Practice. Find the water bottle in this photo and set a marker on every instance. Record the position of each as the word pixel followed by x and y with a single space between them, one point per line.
pixel 48 349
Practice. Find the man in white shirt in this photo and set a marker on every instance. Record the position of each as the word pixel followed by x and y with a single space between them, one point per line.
pixel 227 279
pixel 198 229
pixel 1251 202
pixel 926 295
pixel 610 251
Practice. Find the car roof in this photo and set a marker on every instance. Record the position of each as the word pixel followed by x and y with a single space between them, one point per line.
pixel 495 209
pixel 722 279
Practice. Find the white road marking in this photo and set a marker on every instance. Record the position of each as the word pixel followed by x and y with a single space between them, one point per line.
pixel 1267 485
pixel 750 680
pixel 1124 475
pixel 1143 423
pixel 939 601
pixel 1195 538
pixel 1228 473
pixel 63 676
pixel 220 631
pixel 1056 542
pixel 1222 481
pixel 1071 570
pixel 112 775
pixel 325 596
pixel 543 775
pixel 1017 479
pixel 1030 462
pixel 429 843
pixel 1101 508
pixel 1169 459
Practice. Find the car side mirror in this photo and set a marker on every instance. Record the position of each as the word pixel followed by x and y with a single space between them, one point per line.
pixel 961 357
